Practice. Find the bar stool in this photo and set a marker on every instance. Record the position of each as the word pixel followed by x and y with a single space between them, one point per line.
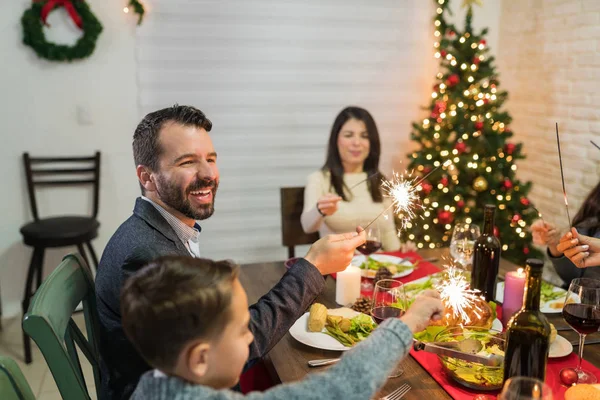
pixel 62 231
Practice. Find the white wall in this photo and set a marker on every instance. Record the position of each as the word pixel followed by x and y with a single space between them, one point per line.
pixel 38 114
pixel 40 101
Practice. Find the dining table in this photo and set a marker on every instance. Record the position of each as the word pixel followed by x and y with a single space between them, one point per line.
pixel 288 359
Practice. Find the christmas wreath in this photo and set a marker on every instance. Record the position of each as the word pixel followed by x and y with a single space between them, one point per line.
pixel 34 18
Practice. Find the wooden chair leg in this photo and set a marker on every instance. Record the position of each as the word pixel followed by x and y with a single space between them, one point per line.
pixel 291 252
pixel 36 265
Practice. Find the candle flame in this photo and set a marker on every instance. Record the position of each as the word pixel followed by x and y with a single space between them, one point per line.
pixel 520 271
pixel 457 296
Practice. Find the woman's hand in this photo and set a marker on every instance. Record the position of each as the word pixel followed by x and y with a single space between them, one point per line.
pixel 546 234
pixel 583 251
pixel 328 204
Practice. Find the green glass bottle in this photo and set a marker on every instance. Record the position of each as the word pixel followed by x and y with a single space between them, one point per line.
pixel 486 257
pixel 528 333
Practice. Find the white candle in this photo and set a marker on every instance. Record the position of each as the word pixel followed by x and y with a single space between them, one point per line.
pixel 347 286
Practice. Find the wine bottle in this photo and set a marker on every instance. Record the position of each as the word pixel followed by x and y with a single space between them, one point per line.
pixel 528 333
pixel 486 257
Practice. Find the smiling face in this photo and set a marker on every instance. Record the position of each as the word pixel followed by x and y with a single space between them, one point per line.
pixel 187 178
pixel 353 145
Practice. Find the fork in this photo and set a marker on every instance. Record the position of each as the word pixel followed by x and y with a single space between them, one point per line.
pixel 398 393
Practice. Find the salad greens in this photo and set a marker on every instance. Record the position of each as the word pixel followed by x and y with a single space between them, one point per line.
pixel 547 293
pixel 361 327
pixel 394 268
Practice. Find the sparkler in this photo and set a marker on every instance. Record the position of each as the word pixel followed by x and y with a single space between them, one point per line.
pixel 562 176
pixel 539 215
pixel 456 294
pixel 364 180
pixel 403 192
pixel 592 142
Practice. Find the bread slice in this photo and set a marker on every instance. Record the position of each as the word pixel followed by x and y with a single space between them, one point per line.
pixel 583 392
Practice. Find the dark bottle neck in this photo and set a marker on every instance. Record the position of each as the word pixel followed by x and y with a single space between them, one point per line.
pixel 488 221
pixel 531 297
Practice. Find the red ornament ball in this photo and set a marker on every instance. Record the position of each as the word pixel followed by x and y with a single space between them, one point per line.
pixel 451 33
pixel 479 125
pixel 483 42
pixel 453 80
pixel 444 181
pixel 496 231
pixel 486 100
pixel 507 184
pixel 568 376
pixel 460 204
pixel 427 188
pixel 525 201
pixel 461 147
pixel 476 60
pixel 525 250
pixel 426 170
pixel 443 53
pixel 516 218
pixel 445 217
pixel 510 148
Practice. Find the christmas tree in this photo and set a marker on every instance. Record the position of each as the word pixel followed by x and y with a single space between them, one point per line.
pixel 465 124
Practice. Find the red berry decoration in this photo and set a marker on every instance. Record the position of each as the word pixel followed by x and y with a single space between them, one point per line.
pixel 445 217
pixel 516 218
pixel 427 188
pixel 476 60
pixel 507 184
pixel 486 100
pixel 453 80
pixel 525 250
pixel 461 147
pixel 451 33
pixel 525 201
pixel 510 148
pixel 426 170
pixel 568 376
pixel 483 42
pixel 478 125
pixel 443 53
pixel 444 181
pixel 496 231
pixel 460 204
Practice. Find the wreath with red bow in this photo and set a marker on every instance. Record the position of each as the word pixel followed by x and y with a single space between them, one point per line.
pixel 35 17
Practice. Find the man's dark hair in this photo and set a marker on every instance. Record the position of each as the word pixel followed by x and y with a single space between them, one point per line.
pixel 174 300
pixel 146 149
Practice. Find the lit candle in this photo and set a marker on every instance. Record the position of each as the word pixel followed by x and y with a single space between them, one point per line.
pixel 347 286
pixel 514 287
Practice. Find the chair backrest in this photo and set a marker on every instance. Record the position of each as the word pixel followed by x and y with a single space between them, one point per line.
pixel 71 171
pixel 292 234
pixel 13 385
pixel 50 325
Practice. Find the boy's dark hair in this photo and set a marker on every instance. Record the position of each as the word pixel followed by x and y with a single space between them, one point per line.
pixel 174 300
pixel 146 148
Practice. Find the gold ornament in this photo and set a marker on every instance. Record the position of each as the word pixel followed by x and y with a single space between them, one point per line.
pixel 469 3
pixel 480 184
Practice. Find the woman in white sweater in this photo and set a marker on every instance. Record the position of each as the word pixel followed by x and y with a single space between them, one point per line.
pixel 334 198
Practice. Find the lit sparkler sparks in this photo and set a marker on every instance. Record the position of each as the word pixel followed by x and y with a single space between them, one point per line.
pixel 457 296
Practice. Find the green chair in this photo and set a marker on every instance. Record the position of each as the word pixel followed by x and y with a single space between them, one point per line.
pixel 13 385
pixel 50 325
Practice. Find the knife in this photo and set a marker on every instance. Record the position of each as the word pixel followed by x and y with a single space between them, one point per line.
pixel 449 350
pixel 321 363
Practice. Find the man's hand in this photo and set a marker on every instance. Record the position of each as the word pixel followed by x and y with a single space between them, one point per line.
pixel 333 253
pixel 328 204
pixel 546 234
pixel 583 251
pixel 426 307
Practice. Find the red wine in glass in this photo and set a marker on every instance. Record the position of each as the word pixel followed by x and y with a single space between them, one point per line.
pixel 369 247
pixel 584 318
pixel 382 313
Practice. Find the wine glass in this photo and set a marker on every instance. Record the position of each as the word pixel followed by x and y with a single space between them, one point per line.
pixel 389 301
pixel 373 236
pixel 462 244
pixel 525 388
pixel 582 312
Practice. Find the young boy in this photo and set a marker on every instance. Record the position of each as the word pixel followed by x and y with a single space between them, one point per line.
pixel 188 318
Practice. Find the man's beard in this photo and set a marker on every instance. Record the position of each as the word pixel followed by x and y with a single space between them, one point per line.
pixel 172 196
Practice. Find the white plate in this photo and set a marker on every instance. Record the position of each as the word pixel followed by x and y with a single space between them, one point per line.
pixel 358 260
pixel 560 347
pixel 548 307
pixel 319 340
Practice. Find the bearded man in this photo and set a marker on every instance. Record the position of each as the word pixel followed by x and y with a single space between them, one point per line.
pixel 176 166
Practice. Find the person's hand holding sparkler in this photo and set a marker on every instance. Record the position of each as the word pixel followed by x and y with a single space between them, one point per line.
pixel 426 307
pixel 457 296
pixel 546 234
pixel 582 250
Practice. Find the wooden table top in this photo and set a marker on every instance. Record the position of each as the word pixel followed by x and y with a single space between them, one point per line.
pixel 287 361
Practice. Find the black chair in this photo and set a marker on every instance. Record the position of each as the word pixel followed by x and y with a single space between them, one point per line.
pixel 61 231
pixel 292 234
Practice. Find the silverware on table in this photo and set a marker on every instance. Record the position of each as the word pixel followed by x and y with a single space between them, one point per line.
pixel 322 363
pixel 398 393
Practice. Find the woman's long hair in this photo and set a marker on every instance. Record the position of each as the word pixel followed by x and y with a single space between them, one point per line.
pixel 588 216
pixel 333 163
